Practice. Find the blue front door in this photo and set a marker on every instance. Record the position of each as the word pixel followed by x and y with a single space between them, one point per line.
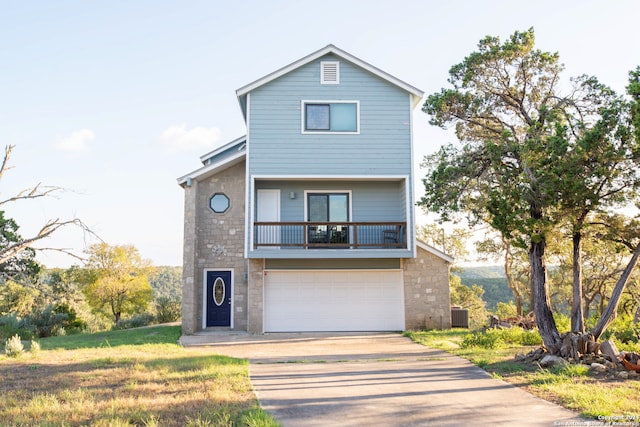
pixel 218 298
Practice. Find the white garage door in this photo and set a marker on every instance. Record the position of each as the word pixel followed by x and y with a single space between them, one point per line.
pixel 345 300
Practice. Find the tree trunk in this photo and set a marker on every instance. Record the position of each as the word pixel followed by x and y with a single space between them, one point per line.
pixel 611 311
pixel 542 304
pixel 577 317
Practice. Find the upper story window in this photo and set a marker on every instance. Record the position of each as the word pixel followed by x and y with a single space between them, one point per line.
pixel 219 203
pixel 330 117
pixel 329 72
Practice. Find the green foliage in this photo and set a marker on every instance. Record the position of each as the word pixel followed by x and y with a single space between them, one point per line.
pixel 166 282
pixel 469 298
pixel 13 347
pixel 116 280
pixel 505 310
pixel 167 309
pixel 16 299
pixel 22 262
pixel 137 321
pixel 12 325
pixel 497 338
pixel 623 331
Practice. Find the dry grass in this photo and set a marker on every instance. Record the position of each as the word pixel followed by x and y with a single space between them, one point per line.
pixel 145 385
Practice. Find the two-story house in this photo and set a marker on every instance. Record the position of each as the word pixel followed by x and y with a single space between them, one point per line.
pixel 307 222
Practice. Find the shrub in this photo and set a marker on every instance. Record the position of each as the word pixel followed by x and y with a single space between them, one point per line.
pixel 13 347
pixel 143 319
pixel 504 310
pixel 11 325
pixel 494 338
pixel 167 309
pixel 35 347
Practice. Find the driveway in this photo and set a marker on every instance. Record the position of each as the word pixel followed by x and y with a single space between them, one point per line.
pixel 379 379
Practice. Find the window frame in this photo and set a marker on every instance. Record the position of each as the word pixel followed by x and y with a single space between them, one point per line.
pixel 211 203
pixel 303 117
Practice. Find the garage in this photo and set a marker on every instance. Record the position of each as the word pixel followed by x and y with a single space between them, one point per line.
pixel 333 300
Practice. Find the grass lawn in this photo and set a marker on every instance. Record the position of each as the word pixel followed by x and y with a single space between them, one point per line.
pixel 573 387
pixel 134 377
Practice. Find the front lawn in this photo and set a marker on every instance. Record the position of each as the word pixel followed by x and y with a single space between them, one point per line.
pixel 134 377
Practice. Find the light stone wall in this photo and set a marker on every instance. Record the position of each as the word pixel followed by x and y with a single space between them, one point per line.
pixel 426 292
pixel 256 295
pixel 214 241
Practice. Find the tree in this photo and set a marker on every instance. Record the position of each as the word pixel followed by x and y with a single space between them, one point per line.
pixel 116 280
pixel 515 268
pixel 519 136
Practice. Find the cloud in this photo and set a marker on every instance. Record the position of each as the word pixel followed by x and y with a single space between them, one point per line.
pixel 179 138
pixel 78 142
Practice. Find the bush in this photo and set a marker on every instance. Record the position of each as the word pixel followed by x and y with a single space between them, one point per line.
pixel 35 347
pixel 505 310
pixel 143 319
pixel 11 325
pixel 13 347
pixel 167 309
pixel 495 338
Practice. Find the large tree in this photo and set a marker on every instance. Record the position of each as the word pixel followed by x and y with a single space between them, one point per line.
pixel 518 134
pixel 116 280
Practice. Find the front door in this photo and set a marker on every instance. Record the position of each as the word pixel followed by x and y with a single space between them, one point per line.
pixel 218 298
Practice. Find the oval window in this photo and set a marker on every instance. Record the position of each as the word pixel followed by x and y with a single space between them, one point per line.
pixel 218 291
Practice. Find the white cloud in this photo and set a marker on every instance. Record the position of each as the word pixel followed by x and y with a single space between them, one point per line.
pixel 78 142
pixel 179 138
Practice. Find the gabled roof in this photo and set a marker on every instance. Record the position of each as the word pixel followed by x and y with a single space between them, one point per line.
pixel 218 160
pixel 434 251
pixel 416 94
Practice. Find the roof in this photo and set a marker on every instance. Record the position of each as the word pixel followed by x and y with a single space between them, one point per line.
pixel 434 251
pixel 416 94
pixel 235 153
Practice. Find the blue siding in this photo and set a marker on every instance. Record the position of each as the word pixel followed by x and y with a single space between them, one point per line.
pixel 277 145
pixel 370 201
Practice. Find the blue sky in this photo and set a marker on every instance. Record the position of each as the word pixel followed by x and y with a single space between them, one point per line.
pixel 114 100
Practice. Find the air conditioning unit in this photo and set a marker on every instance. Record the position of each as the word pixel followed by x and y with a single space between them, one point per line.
pixel 459 317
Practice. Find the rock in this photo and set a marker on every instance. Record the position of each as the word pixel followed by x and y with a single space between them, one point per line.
pixel 550 360
pixel 609 350
pixel 623 375
pixel 598 367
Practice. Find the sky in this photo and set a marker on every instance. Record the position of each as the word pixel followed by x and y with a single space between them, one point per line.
pixel 114 100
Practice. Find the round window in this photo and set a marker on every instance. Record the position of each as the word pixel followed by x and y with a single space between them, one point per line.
pixel 218 291
pixel 219 203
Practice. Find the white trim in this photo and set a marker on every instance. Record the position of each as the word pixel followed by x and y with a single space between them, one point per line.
pixel 248 191
pixel 291 177
pixel 204 295
pixel 222 148
pixel 434 251
pixel 208 170
pixel 303 117
pixel 323 71
pixel 411 186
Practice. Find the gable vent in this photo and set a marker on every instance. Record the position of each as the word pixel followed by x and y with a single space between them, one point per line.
pixel 329 72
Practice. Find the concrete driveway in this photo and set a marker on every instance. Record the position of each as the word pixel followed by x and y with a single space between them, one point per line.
pixel 376 380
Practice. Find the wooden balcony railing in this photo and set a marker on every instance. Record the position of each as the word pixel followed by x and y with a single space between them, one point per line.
pixel 336 235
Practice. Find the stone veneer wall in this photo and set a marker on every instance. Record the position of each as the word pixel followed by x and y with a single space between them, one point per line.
pixel 214 241
pixel 426 292
pixel 256 295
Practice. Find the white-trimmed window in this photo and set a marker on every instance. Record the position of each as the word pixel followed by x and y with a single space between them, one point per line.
pixel 329 72
pixel 330 117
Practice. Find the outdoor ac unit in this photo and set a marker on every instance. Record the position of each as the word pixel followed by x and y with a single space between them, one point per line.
pixel 459 317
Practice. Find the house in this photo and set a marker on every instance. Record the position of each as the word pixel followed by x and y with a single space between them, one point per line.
pixel 307 223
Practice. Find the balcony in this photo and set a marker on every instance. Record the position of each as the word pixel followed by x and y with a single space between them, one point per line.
pixel 330 235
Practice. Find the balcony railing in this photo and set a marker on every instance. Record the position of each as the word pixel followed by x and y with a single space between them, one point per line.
pixel 335 235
